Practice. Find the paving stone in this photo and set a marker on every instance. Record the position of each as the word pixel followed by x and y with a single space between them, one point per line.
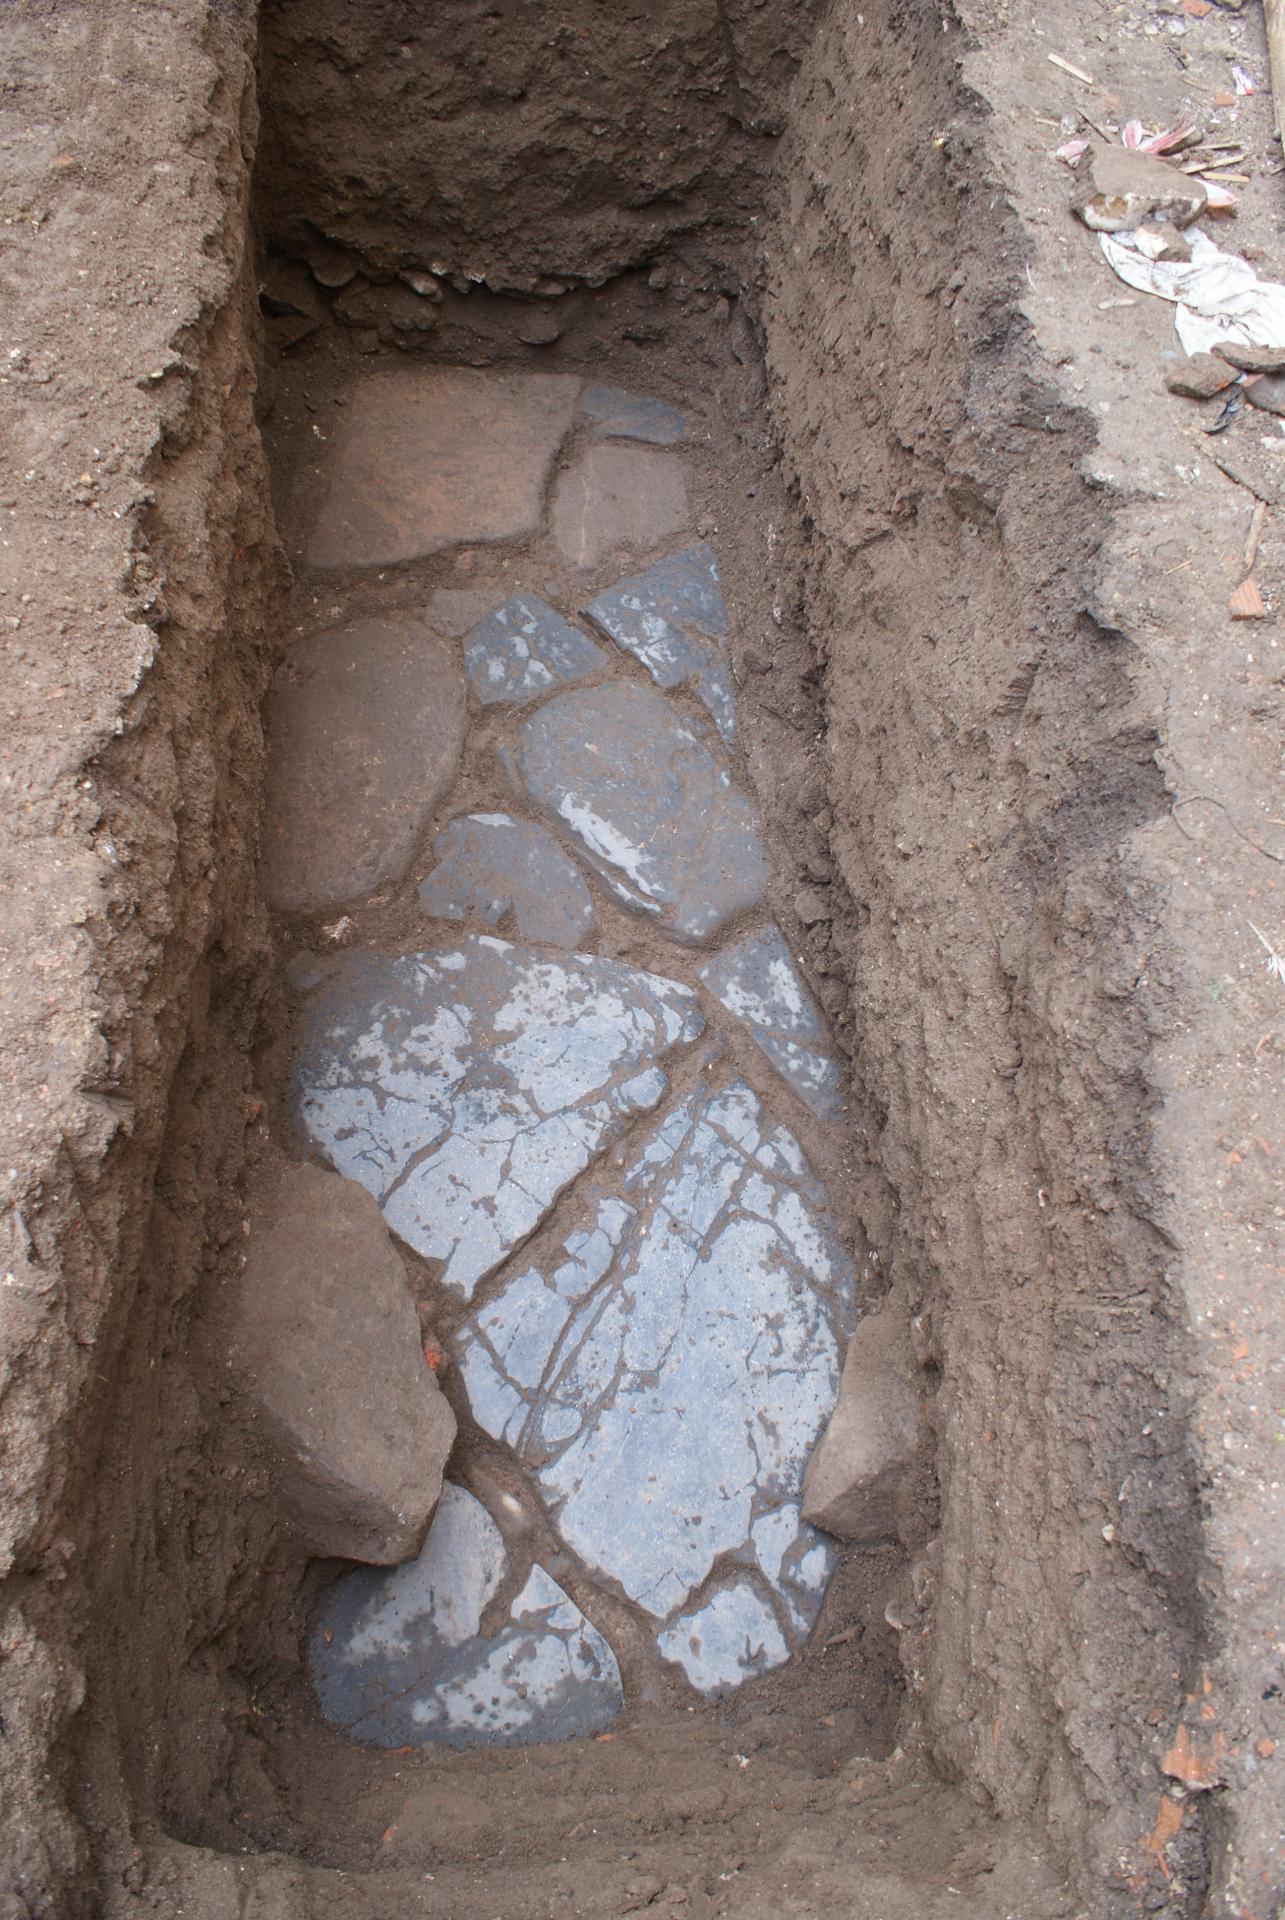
pixel 323 1337
pixel 619 415
pixel 616 498
pixel 457 610
pixel 666 1380
pixel 467 1086
pixel 489 864
pixel 524 649
pixel 656 813
pixel 856 1477
pixel 399 1660
pixel 434 458
pixel 366 726
pixel 757 982
pixel 667 618
pixel 732 1638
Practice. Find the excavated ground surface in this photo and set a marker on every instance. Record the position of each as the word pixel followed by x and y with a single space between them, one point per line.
pixel 1004 731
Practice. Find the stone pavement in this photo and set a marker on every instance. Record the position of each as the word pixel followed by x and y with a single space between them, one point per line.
pixel 651 1302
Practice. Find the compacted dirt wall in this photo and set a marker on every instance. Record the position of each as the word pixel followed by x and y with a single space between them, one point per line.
pixel 137 562
pixel 990 760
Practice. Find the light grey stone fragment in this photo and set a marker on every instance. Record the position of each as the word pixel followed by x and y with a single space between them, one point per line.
pixel 856 1476
pixel 656 813
pixel 323 1338
pixel 467 1086
pixel 525 649
pixel 489 864
pixel 399 1660
pixel 619 415
pixel 733 1637
pixel 667 1379
pixel 670 618
pixel 756 981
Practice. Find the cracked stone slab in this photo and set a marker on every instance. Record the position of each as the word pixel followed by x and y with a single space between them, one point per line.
pixel 467 1086
pixel 757 982
pixel 489 864
pixel 366 724
pixel 617 498
pixel 400 1659
pixel 655 812
pixel 434 458
pixel 525 649
pixel 620 415
pixel 667 1379
pixel 735 1636
pixel 671 618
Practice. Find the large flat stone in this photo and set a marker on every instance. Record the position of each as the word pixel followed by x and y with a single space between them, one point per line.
pixel 618 499
pixel 654 810
pixel 525 649
pixel 400 1660
pixel 324 1340
pixel 757 981
pixel 671 618
pixel 433 458
pixel 467 1086
pixel 366 725
pixel 620 415
pixel 490 865
pixel 667 1379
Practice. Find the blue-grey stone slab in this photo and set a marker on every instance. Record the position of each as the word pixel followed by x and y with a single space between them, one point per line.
pixel 671 618
pixel 524 649
pixel 398 1658
pixel 733 1637
pixel 465 1087
pixel 668 1378
pixel 757 981
pixel 653 809
pixel 621 415
pixel 489 864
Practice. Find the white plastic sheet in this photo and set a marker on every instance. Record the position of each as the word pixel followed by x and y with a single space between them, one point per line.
pixel 1219 297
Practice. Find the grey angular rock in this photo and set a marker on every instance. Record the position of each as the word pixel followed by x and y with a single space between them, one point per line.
pixel 467 1086
pixel 433 457
pixel 757 982
pixel 655 812
pixel 855 1477
pixel 366 725
pixel 620 415
pixel 489 864
pixel 666 1380
pixel 617 498
pixel 524 649
pixel 399 1659
pixel 323 1337
pixel 670 618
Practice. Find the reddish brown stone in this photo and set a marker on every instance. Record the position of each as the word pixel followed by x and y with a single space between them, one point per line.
pixel 432 459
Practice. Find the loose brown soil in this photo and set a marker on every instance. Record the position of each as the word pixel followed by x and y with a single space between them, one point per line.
pixel 995 707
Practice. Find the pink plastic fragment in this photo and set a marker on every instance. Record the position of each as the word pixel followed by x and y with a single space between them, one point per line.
pixel 1220 199
pixel 1244 81
pixel 1133 133
pixel 1072 151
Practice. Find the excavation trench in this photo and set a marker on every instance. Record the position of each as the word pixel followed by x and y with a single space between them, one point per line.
pixel 540 303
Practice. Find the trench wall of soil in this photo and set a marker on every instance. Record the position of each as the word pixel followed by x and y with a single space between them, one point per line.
pixel 989 759
pixel 139 566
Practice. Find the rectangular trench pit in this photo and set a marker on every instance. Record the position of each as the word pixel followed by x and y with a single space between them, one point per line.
pixel 673 782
